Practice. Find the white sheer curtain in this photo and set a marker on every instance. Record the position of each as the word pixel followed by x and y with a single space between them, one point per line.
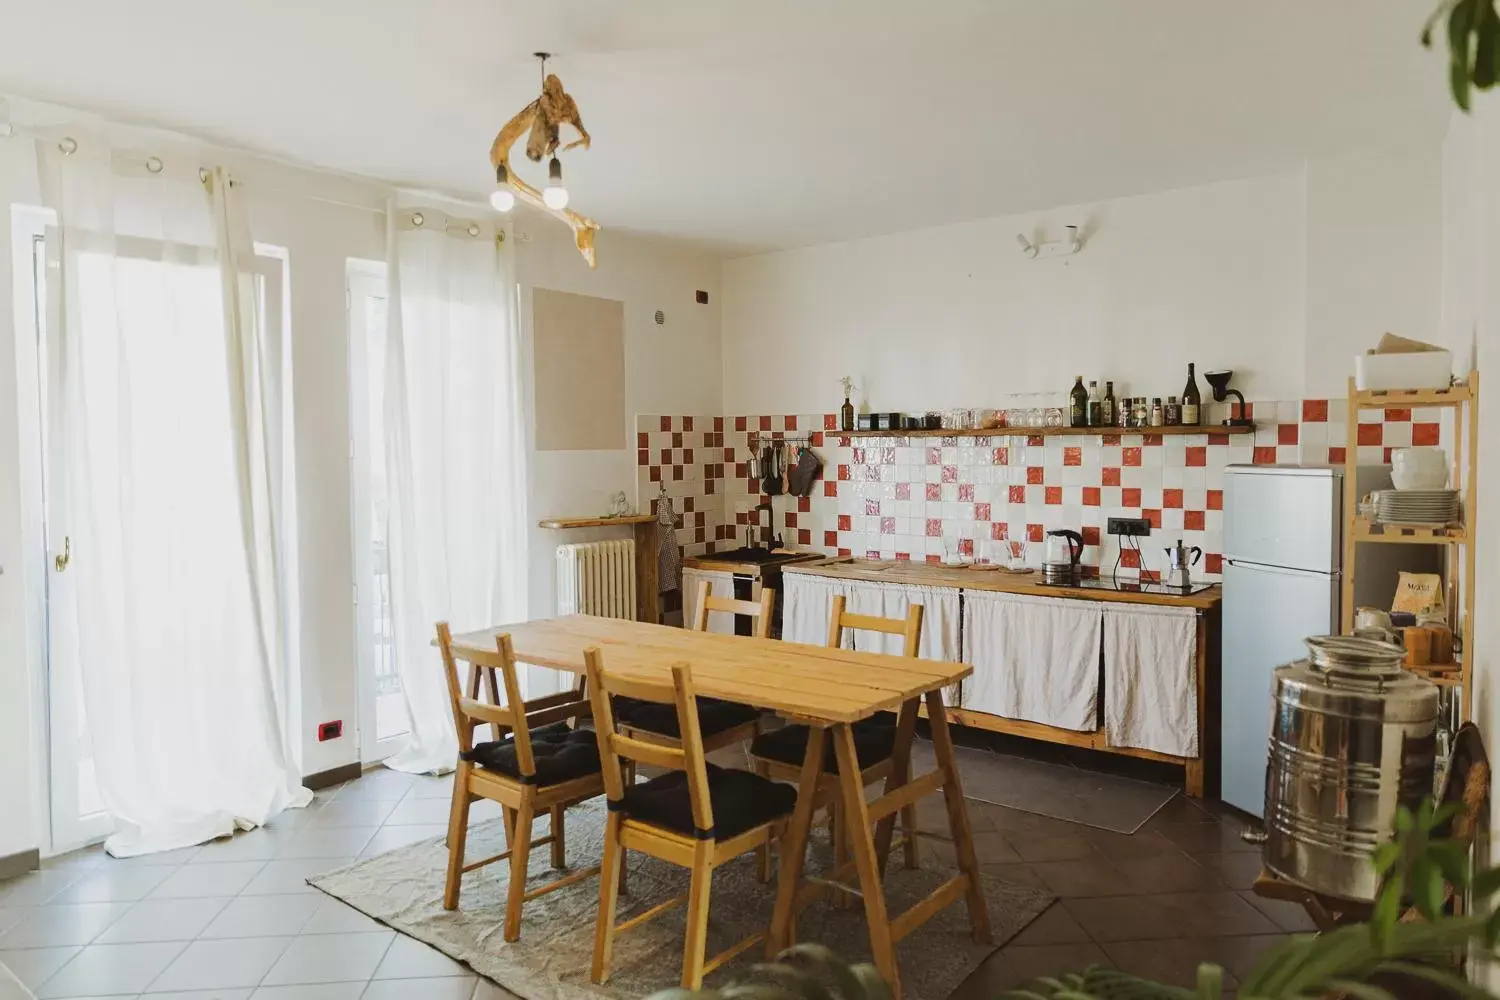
pixel 455 455
pixel 170 486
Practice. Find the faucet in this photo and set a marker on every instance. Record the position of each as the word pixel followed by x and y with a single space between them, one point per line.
pixel 768 530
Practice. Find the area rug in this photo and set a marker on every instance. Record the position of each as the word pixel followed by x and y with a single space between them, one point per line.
pixel 403 889
pixel 1103 801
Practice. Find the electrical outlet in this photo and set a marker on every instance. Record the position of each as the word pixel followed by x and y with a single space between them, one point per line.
pixel 1137 526
pixel 330 730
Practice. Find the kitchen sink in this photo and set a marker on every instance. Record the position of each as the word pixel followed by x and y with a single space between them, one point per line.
pixel 755 555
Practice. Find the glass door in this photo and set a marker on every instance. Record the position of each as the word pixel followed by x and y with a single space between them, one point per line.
pixel 383 719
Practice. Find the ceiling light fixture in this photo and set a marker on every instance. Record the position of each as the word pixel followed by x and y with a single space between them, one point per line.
pixel 540 122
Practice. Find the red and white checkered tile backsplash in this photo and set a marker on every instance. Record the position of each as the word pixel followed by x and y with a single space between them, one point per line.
pixel 899 498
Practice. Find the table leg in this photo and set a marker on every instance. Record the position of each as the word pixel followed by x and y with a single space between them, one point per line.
pixel 794 846
pixel 906 729
pixel 857 829
pixel 958 816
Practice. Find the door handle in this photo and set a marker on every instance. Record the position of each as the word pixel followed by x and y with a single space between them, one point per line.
pixel 60 563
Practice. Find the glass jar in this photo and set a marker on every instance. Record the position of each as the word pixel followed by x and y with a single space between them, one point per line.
pixel 1172 414
pixel 1156 411
pixel 1142 416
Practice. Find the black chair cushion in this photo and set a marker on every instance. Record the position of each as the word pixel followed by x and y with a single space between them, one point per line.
pixel 714 716
pixel 874 740
pixel 560 754
pixel 741 800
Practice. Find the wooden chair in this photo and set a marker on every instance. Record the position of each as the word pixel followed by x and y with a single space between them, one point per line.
pixel 697 815
pixel 722 723
pixel 543 767
pixel 779 754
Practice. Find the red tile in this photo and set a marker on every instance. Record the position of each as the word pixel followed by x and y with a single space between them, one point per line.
pixel 844 472
pixel 934 491
pixel 1153 515
pixel 1218 439
pixel 830 539
pixel 903 557
pixel 1425 434
pixel 1072 456
pixel 903 491
pixel 666 423
pixel 1053 494
pixel 655 473
pixel 934 559
pixel 1335 456
pixel 1264 456
pixel 966 546
pixel 1034 475
pixel 643 457
pixel 1111 477
pixel 1016 494
pixel 687 456
pixel 872 507
pixel 1215 499
pixel 1001 456
pixel 934 527
pixel 804 505
pixel 1109 439
pixel 950 473
pixel 1371 434
pixel 815 439
pixel 887 525
pixel 1197 456
pixel 830 421
pixel 1150 576
pixel 687 423
pixel 1171 498
pixel 1192 520
pixel 981 512
pixel 830 487
pixel 676 472
pixel 708 486
pixel 1286 433
pixel 845 523
pixel 729 454
pixel 1035 440
pixel 1397 414
pixel 791 423
pixel 1213 562
pixel 1385 455
pixel 1034 532
pixel 999 531
pixel 1091 496
pixel 846 552
pixel 872 553
pixel 965 492
pixel 739 423
pixel 718 425
pixel 1151 439
pixel 1130 457
pixel 1090 534
pixel 934 456
pixel 1315 411
pixel 804 536
pixel 1130 497
pixel 765 423
pixel 666 456
pixel 1130 559
pixel 642 439
pixel 677 439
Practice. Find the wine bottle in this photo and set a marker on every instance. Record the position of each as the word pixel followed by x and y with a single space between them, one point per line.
pixel 1191 402
pixel 1078 404
pixel 1107 407
pixel 1096 406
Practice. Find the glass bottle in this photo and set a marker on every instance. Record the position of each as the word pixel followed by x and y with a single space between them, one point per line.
pixel 1192 408
pixel 1107 406
pixel 1172 413
pixel 1156 414
pixel 1095 406
pixel 1078 404
pixel 1142 418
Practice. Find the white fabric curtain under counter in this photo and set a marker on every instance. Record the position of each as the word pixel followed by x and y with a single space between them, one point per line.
pixel 455 455
pixel 1151 678
pixel 721 584
pixel 1035 658
pixel 807 604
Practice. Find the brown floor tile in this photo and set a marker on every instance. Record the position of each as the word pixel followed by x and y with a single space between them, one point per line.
pixel 1287 916
pixel 1055 926
pixel 1175 872
pixel 1170 915
pixel 1095 876
pixel 990 847
pixel 1014 965
pixel 1144 844
pixel 1236 871
pixel 1022 874
pixel 1208 838
pixel 1057 846
pixel 1172 962
pixel 1180 809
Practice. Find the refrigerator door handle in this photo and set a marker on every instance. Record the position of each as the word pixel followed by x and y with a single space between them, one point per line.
pixel 1282 570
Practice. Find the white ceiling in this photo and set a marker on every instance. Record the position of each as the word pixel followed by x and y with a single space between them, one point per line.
pixel 769 124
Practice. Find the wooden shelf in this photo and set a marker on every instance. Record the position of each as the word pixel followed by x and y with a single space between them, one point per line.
pixel 1454 395
pixel 1366 530
pixel 970 432
pixel 594 522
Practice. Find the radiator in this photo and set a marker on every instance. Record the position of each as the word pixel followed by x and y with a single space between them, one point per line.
pixel 597 578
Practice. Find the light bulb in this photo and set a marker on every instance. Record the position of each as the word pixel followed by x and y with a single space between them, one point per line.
pixel 555 196
pixel 502 199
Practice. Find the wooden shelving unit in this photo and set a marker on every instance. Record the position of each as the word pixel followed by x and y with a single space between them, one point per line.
pixel 970 432
pixel 1463 399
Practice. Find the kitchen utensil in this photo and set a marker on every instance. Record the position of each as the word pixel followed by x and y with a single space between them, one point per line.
pixel 1419 468
pixel 1372 618
pixel 1353 739
pixel 804 474
pixel 1179 566
pixel 771 466
pixel 1060 563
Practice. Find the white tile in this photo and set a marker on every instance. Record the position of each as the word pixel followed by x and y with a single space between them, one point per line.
pixel 335 917
pixel 262 916
pixel 34 966
pixel 419 811
pixel 164 920
pixel 218 965
pixel 449 988
pixel 219 878
pixel 330 842
pixel 111 883
pixel 51 926
pixel 409 958
pixel 360 812
pixel 260 844
pixel 330 958
pixel 317 991
pixel 104 969
pixel 239 994
pixel 388 838
pixel 290 875
pixel 36 888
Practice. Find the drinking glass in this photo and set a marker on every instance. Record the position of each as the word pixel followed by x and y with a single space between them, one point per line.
pixel 1016 553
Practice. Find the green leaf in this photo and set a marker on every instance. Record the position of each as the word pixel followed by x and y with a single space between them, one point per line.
pixel 1404 819
pixel 1387 909
pixel 1385 856
pixel 1486 883
pixel 1361 991
pixel 1432 21
pixel 1210 982
pixel 1442 977
pixel 1427 888
pixel 1486 50
pixel 1460 22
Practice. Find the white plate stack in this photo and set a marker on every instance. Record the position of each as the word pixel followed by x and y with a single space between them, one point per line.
pixel 1416 506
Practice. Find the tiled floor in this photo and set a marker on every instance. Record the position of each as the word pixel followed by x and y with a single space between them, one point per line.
pixel 234 919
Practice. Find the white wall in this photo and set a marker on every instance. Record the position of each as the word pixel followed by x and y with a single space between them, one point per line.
pixel 1281 278
pixel 672 368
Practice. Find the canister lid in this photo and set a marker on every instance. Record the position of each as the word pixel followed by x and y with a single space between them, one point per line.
pixel 1355 677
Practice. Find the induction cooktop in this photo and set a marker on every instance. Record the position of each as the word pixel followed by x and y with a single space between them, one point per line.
pixel 1128 586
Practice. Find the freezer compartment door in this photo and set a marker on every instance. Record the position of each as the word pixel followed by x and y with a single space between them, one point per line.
pixel 1283 517
pixel 1267 613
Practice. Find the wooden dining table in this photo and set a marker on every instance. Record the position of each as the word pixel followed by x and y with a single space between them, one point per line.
pixel 828 690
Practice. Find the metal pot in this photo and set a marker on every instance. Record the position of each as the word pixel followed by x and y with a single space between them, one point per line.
pixel 1352 740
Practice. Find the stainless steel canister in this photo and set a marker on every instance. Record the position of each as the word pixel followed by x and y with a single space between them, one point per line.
pixel 1353 738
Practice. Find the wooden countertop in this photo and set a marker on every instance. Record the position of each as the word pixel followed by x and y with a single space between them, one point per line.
pixel 928 575
pixel 601 521
pixel 720 565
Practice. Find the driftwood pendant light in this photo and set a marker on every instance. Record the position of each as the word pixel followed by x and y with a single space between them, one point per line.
pixel 543 118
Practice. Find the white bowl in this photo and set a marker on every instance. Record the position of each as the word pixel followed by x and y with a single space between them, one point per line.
pixel 1419 468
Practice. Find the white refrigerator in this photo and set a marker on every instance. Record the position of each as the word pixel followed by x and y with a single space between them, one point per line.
pixel 1283 546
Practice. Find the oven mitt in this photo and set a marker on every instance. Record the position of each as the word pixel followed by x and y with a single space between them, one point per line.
pixel 808 468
